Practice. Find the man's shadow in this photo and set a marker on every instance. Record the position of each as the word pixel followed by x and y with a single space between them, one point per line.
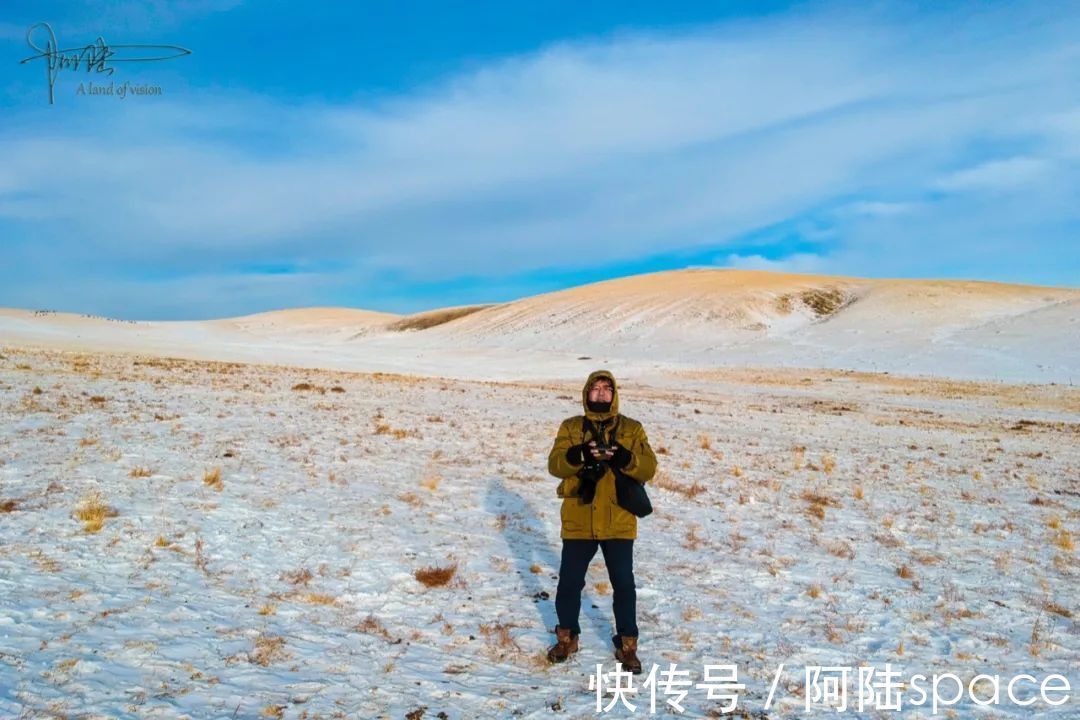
pixel 527 537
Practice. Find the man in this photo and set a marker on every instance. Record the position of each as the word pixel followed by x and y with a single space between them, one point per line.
pixel 588 450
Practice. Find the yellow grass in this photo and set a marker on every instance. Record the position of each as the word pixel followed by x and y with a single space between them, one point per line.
pixel 435 576
pixel 1064 540
pixel 92 510
pixel 267 650
pixel 431 318
pixel 212 479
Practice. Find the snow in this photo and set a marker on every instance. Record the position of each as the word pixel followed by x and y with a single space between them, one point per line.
pixel 116 623
pixel 809 517
pixel 690 319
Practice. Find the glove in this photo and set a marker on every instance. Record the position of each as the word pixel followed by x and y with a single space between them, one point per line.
pixel 621 458
pixel 577 454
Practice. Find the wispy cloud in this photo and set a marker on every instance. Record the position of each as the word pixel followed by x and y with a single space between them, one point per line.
pixel 613 150
pixel 796 263
pixel 995 174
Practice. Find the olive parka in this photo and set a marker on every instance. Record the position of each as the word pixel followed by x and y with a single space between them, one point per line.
pixel 603 519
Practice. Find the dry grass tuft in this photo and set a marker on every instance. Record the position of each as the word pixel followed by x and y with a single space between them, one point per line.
pixel 498 635
pixel 823 301
pixel 92 510
pixel 297 577
pixel 1052 607
pixel 412 499
pixel 664 481
pixel 841 549
pixel 817 502
pixel 693 539
pixel 431 481
pixel 1064 540
pixel 308 387
pixel 431 318
pixel 435 576
pixel 200 557
pixel 371 625
pixel 1035 642
pixel 268 649
pixel 212 478
pixel 800 456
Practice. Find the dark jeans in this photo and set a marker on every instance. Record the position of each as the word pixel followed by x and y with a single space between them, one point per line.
pixel 619 558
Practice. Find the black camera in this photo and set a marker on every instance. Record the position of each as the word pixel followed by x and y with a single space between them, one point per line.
pixel 589 475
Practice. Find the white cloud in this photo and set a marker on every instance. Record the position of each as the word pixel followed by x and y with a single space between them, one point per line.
pixel 995 174
pixel 807 263
pixel 878 208
pixel 631 147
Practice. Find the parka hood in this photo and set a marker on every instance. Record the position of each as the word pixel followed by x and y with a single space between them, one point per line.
pixel 595 416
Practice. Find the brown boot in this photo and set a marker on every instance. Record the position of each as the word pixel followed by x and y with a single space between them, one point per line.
pixel 566 646
pixel 627 655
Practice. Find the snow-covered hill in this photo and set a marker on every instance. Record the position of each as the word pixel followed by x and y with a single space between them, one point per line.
pixel 688 318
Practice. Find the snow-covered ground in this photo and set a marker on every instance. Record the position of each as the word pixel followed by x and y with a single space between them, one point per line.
pixel 261 539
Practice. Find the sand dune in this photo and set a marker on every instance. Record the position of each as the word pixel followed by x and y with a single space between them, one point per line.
pixel 687 318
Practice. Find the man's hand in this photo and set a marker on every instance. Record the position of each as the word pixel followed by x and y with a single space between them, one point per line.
pixel 575 455
pixel 621 457
pixel 600 455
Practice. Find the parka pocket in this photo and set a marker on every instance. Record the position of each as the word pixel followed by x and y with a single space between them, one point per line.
pixel 569 487
pixel 571 515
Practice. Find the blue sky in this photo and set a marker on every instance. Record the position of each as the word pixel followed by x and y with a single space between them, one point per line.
pixel 403 156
